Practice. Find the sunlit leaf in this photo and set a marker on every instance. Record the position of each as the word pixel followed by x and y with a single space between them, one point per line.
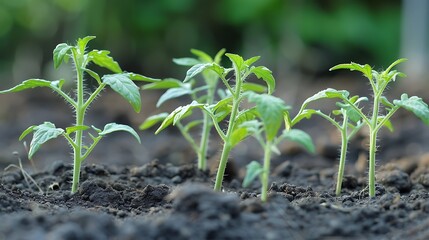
pixel 271 110
pixel 102 59
pixel 60 54
pixel 365 69
pixel 174 93
pixel 82 42
pixel 114 127
pixel 141 78
pixel 33 83
pixel 251 60
pixel 42 133
pixel 178 114
pixel 123 85
pixel 415 105
pixel 73 129
pixel 266 75
pixel 237 60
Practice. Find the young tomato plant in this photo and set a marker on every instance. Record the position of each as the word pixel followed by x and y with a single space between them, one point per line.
pixel 229 105
pixel 271 111
pixel 201 94
pixel 350 125
pixel 375 121
pixel 120 82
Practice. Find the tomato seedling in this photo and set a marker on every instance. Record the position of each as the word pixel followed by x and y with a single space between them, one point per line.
pixel 270 111
pixel 121 82
pixel 379 81
pixel 350 125
pixel 201 94
pixel 229 105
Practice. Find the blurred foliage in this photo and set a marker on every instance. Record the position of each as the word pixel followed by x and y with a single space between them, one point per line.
pixel 145 35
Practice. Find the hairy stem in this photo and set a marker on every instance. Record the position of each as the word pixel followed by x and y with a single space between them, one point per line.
pixel 227 145
pixel 266 171
pixel 373 146
pixel 80 112
pixel 343 154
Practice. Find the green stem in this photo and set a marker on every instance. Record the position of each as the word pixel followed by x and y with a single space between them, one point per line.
pixel 80 112
pixel 373 147
pixel 202 153
pixel 266 171
pixel 227 145
pixel 187 136
pixel 343 154
pixel 207 126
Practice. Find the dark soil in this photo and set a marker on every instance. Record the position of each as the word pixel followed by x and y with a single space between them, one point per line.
pixel 155 201
pixel 122 195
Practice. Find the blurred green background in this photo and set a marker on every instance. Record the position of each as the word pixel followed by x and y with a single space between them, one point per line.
pixel 144 35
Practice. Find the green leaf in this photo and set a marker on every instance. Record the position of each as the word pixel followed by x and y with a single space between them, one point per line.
pixel 237 61
pixel 238 135
pixel 401 60
pixel 152 120
pixel 415 105
pixel 265 74
pixel 33 83
pixel 203 57
pixel 164 84
pixel 73 129
pixel 253 170
pixel 386 102
pixel 42 133
pixel 306 114
pixel 186 61
pixel 388 124
pixel 114 127
pixel 196 69
pixel 27 131
pixel 192 124
pixel 301 138
pixel 365 69
pixel 251 60
pixel 327 93
pixel 60 54
pixel 123 85
pixel 93 75
pixel 271 110
pixel 350 111
pixel 174 93
pixel 82 42
pixel 138 77
pixel 254 87
pixel 102 59
pixel 246 115
pixel 178 114
pixel 218 56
